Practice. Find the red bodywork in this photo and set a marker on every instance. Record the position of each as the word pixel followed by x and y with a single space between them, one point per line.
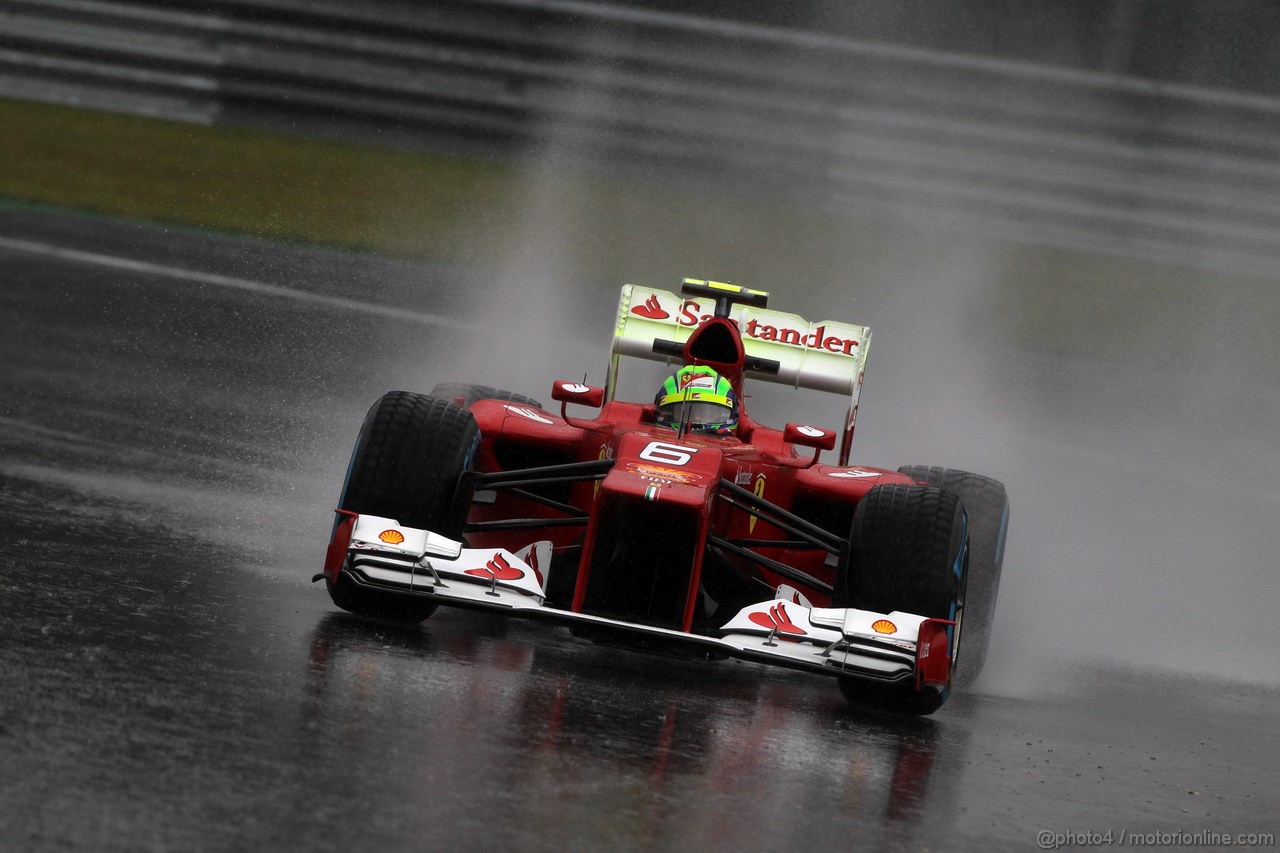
pixel 669 492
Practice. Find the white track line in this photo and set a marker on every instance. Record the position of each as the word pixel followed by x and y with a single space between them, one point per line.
pixel 258 287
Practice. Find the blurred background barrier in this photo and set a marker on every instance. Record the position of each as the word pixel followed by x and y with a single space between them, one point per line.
pixel 1043 152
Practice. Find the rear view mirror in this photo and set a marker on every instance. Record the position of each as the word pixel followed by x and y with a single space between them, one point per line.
pixel 808 436
pixel 576 392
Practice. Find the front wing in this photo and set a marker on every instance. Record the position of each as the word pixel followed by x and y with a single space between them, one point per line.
pixel 895 647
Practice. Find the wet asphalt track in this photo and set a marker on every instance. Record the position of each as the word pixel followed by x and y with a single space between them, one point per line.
pixel 169 452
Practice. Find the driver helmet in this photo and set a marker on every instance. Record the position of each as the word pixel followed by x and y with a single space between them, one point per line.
pixel 701 398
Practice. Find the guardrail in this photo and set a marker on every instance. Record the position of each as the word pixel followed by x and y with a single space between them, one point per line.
pixel 1026 151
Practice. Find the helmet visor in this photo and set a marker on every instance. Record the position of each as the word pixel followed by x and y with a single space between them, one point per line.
pixel 700 414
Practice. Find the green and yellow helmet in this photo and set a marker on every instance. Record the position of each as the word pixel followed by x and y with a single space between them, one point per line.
pixel 698 397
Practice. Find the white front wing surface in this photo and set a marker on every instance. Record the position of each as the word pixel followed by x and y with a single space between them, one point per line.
pixel 384 554
pixel 893 646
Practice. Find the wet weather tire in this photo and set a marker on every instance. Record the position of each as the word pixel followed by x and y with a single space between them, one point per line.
pixel 464 395
pixel 987 505
pixel 407 465
pixel 908 551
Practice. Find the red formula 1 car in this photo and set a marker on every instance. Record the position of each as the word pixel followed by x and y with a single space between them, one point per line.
pixel 680 523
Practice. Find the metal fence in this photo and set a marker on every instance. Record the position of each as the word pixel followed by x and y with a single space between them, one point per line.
pixel 1026 151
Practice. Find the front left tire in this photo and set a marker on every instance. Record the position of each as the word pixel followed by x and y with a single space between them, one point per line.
pixel 987 505
pixel 407 464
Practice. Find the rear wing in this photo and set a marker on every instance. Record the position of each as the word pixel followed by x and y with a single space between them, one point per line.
pixel 824 355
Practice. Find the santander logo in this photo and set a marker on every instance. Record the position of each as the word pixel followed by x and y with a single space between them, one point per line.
pixel 691 314
pixel 498 568
pixel 777 619
pixel 809 338
pixel 651 309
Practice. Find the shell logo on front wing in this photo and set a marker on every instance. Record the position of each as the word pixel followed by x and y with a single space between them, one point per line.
pixel 884 626
pixel 392 537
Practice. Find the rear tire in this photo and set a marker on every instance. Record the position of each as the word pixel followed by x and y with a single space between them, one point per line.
pixel 987 505
pixel 908 551
pixel 461 394
pixel 407 465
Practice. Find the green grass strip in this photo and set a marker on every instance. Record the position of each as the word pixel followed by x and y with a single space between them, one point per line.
pixel 585 227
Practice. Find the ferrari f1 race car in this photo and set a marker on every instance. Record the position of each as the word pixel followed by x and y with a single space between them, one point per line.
pixel 681 523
